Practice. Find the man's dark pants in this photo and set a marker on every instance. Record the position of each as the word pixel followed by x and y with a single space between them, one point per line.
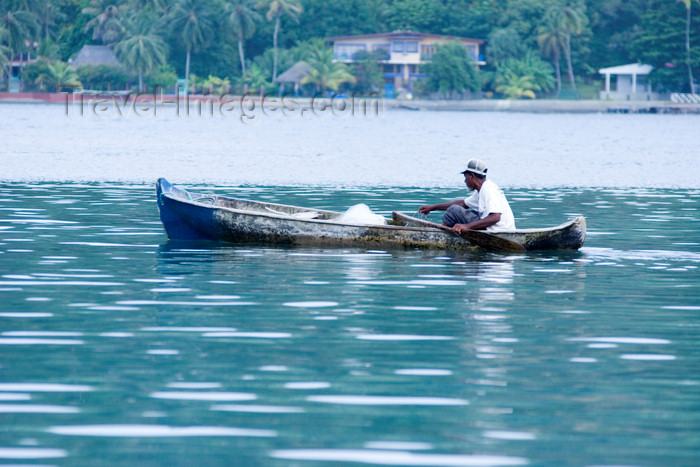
pixel 456 214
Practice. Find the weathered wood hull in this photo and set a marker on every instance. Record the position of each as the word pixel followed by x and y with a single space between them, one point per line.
pixel 195 216
pixel 192 216
pixel 567 236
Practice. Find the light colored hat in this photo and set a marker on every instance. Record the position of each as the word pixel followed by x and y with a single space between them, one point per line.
pixel 476 166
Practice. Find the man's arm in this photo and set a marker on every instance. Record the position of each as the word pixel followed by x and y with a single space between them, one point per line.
pixel 481 224
pixel 428 208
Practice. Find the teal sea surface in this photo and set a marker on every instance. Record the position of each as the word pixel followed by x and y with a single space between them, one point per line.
pixel 119 347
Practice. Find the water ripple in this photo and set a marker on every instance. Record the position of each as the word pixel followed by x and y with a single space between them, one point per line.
pixel 271 409
pixel 401 337
pixel 180 303
pixel 387 400
pixel 254 335
pixel 156 431
pixel 310 304
pixel 44 387
pixel 622 340
pixel 395 457
pixel 203 396
pixel 31 341
pixel 36 408
pixel 31 453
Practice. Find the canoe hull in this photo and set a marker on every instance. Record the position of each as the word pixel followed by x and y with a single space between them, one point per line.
pixel 189 216
pixel 195 216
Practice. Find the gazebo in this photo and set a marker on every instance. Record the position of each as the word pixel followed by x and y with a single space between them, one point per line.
pixel 630 83
pixel 294 75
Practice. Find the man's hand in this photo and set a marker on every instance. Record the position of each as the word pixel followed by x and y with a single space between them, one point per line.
pixel 426 209
pixel 459 228
pixel 481 224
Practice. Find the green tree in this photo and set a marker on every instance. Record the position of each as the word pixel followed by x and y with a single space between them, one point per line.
pixel 659 43
pixel 569 20
pixel 378 13
pixel 242 18
pixel 49 49
pixel 164 77
pixel 60 74
pixel 525 17
pixel 32 72
pixel 504 44
pixel 154 6
pixel 70 34
pixel 530 73
pixel 417 15
pixel 475 18
pixel 614 25
pixel 50 15
pixel 194 23
pixel 275 10
pixel 4 61
pixel 324 72
pixel 102 77
pixel 4 54
pixel 367 70
pixel 217 85
pixel 551 40
pixel 20 26
pixel 142 49
pixel 106 23
pixel 255 78
pixel 515 86
pixel 452 70
pixel 688 4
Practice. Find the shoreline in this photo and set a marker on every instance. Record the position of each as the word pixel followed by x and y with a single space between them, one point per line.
pixel 545 106
pixel 480 105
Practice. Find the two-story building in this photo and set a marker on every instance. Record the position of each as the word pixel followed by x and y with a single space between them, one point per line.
pixel 406 52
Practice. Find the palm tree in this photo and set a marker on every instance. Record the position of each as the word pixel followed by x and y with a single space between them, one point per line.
pixel 277 8
pixel 551 40
pixel 242 17
pixel 537 74
pixel 323 71
pixel 50 15
pixel 142 49
pixel 4 58
pixel 20 25
pixel 60 74
pixel 688 4
pixel 569 21
pixel 516 87
pixel 195 23
pixel 153 5
pixel 539 70
pixel 255 78
pixel 49 50
pixel 106 21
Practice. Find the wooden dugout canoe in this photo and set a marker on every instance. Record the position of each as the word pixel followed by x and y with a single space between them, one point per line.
pixel 196 216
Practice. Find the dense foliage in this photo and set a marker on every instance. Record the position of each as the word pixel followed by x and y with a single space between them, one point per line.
pixel 534 47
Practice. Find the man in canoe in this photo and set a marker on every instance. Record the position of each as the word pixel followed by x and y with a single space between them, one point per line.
pixel 485 209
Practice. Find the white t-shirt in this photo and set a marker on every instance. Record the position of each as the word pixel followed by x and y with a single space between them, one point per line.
pixel 488 200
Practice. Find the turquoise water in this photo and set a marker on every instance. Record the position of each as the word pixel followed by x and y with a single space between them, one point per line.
pixel 118 347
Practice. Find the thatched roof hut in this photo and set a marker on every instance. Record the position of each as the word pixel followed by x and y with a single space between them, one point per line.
pixel 95 55
pixel 294 75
